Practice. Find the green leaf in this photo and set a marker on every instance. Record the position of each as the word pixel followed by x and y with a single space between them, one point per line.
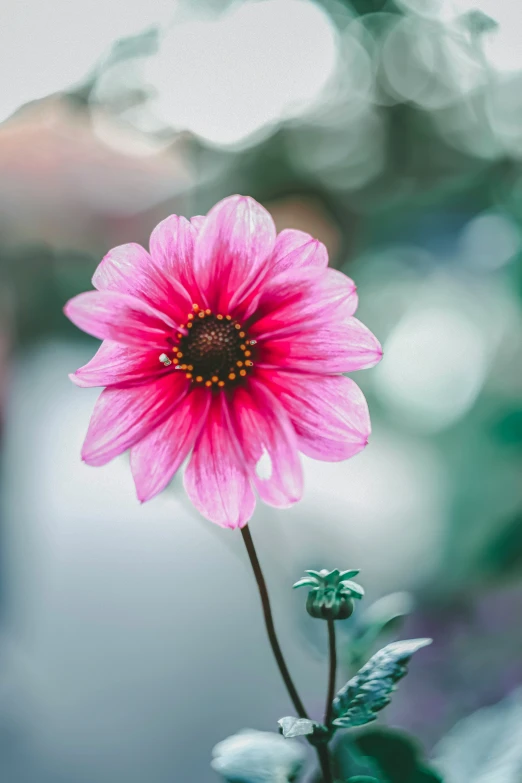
pixel 348 574
pixel 362 779
pixel 296 727
pixel 399 756
pixel 306 581
pixel 353 587
pixel 332 577
pixel 370 690
pixel 258 757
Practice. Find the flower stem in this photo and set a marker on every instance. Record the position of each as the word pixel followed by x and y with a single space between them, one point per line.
pixel 269 622
pixel 328 713
pixel 324 761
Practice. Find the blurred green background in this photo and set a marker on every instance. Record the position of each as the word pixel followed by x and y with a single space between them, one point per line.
pixel 392 131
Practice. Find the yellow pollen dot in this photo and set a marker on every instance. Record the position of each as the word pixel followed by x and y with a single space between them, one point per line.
pixel 199 378
pixel 243 373
pixel 241 334
pixel 221 383
pixel 208 383
pixel 219 317
pixel 249 364
pixel 189 325
pixel 232 376
pixel 248 353
pixel 190 316
pixel 201 314
pixel 208 312
pixel 228 317
pixel 243 347
pixel 215 379
pixel 239 364
pixel 179 355
pixel 179 335
pixel 188 375
pixel 190 367
pixel 237 326
pixel 195 307
pixel 183 366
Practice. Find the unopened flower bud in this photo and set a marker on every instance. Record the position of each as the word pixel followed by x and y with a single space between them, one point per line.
pixel 332 593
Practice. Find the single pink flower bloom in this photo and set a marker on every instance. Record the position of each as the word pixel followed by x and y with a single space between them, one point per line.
pixel 227 343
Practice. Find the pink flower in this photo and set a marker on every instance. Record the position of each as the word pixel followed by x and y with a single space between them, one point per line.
pixel 226 343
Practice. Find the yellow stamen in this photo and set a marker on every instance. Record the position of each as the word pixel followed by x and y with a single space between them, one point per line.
pixel 232 376
pixel 188 375
pixel 208 312
pixel 248 353
pixel 242 334
pixel 243 372
pixel 239 364
pixel 215 379
pixel 221 383
pixel 219 317
pixel 199 378
pixel 249 364
pixel 208 383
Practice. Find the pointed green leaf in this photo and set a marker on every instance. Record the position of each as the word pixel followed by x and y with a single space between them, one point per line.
pixel 317 574
pixel 306 581
pixel 332 577
pixel 370 690
pixel 348 574
pixel 353 587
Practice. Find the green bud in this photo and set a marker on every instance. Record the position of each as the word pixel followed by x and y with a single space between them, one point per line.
pixel 332 593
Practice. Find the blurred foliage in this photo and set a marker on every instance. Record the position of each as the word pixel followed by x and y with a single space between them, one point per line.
pixel 485 747
pixel 386 755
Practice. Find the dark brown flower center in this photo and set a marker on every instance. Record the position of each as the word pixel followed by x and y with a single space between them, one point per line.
pixel 216 351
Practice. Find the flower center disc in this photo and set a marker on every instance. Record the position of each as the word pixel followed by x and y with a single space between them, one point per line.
pixel 216 350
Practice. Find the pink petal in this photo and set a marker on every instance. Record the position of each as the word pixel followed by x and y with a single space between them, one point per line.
pixel 334 347
pixel 157 457
pixel 333 295
pixel 118 364
pixel 122 417
pixel 232 249
pixel 129 269
pixel 269 444
pixel 172 248
pixel 215 480
pixel 274 292
pixel 329 413
pixel 197 221
pixel 110 315
pixel 296 249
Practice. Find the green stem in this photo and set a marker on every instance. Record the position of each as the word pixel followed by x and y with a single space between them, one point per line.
pixel 322 750
pixel 324 761
pixel 328 713
pixel 269 622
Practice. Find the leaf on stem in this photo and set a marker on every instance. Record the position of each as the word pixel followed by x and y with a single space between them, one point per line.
pixel 296 727
pixel 371 688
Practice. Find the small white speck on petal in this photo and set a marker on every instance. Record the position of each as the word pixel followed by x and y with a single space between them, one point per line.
pixel 264 466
